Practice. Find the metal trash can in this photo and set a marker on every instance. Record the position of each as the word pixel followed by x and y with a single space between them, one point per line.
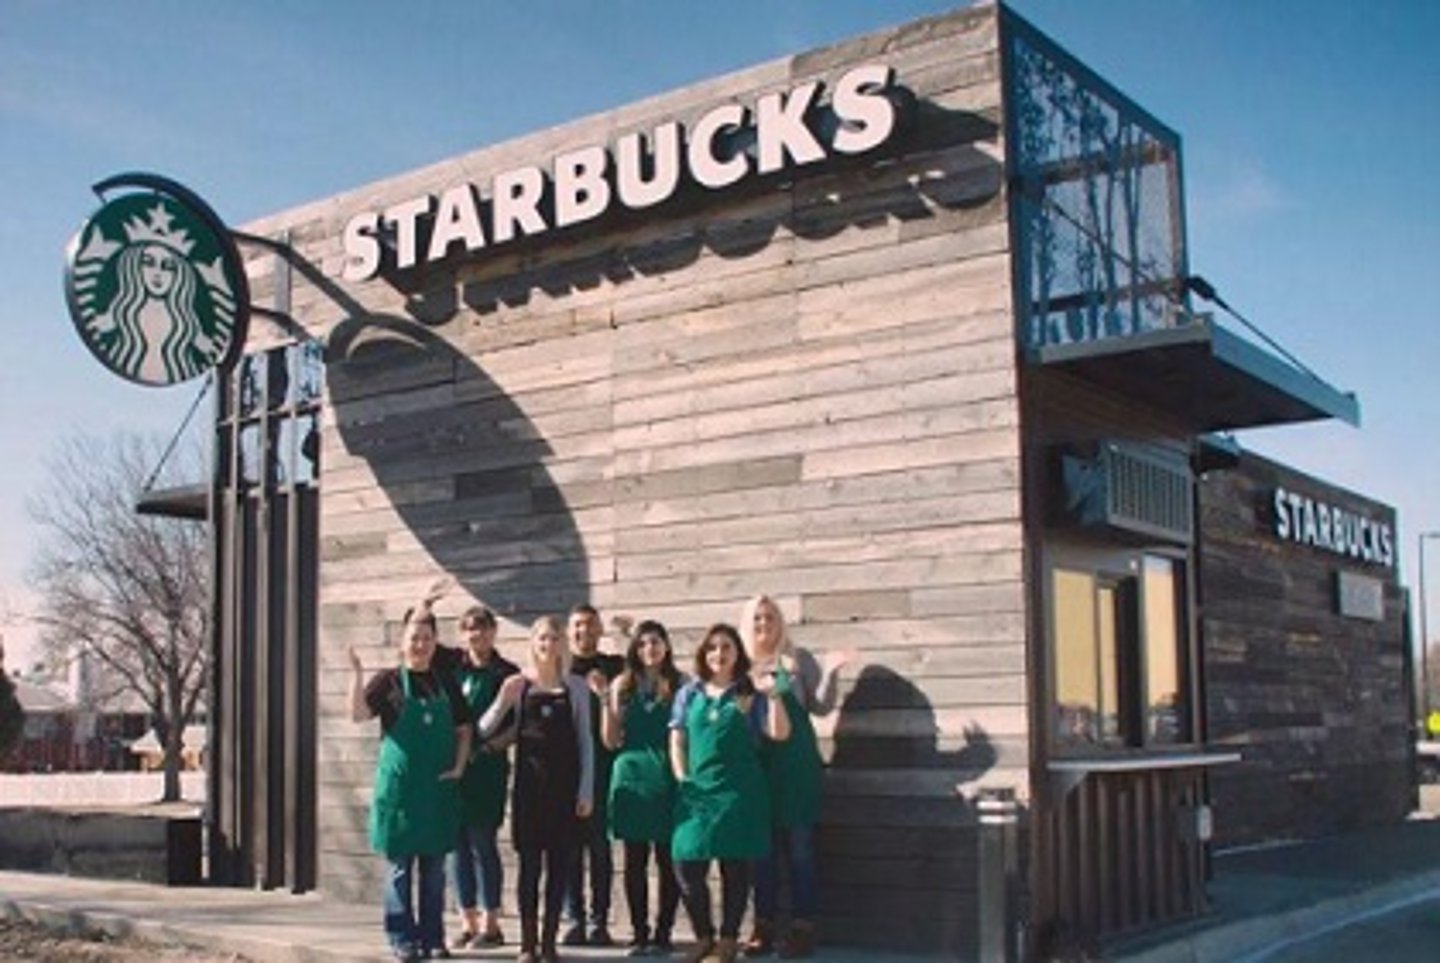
pixel 998 876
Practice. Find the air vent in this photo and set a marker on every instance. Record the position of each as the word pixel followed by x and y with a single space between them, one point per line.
pixel 1133 488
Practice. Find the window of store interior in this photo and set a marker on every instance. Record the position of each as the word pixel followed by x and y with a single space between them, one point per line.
pixel 1120 651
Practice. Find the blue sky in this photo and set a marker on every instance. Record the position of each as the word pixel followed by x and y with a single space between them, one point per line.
pixel 1310 132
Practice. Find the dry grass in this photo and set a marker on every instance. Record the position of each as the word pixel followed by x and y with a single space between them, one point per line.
pixel 24 940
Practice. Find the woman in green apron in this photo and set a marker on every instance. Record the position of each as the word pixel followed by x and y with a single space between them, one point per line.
pixel 795 773
pixel 722 808
pixel 425 740
pixel 475 864
pixel 554 778
pixel 642 787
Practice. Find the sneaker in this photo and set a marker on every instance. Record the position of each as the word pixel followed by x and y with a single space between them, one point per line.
pixel 466 938
pixel 574 936
pixel 600 936
pixel 492 938
pixel 639 949
pixel 727 950
pixel 662 945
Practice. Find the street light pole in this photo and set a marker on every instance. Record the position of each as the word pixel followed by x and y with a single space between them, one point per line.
pixel 1424 638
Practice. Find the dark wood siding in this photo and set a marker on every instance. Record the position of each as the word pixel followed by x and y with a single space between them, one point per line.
pixel 1317 703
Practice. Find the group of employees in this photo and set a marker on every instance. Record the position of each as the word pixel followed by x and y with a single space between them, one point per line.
pixel 719 767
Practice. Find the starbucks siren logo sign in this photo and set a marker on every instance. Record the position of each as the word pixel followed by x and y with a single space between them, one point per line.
pixel 155 285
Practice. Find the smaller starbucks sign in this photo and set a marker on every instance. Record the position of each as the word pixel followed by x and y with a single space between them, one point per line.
pixel 155 285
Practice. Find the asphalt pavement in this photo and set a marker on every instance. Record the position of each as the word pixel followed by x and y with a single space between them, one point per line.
pixel 1273 900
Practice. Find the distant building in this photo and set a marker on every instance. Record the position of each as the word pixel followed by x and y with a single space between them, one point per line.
pixel 65 735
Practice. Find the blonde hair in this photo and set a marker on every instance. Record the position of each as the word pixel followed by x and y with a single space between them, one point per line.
pixel 562 651
pixel 747 623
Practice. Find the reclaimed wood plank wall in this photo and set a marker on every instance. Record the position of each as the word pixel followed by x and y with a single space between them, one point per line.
pixel 806 388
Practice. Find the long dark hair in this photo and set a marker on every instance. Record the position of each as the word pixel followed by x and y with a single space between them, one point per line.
pixel 420 615
pixel 629 680
pixel 744 685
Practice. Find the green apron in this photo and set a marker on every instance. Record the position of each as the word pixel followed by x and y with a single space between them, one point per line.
pixel 794 767
pixel 642 787
pixel 482 791
pixel 722 810
pixel 414 812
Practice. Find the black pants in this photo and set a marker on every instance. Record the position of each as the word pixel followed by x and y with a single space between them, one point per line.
pixel 734 891
pixel 556 861
pixel 594 848
pixel 637 888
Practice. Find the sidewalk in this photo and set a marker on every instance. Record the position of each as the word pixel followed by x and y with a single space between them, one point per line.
pixel 266 927
pixel 1260 898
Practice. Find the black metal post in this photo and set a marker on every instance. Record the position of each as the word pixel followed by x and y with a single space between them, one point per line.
pixel 1424 640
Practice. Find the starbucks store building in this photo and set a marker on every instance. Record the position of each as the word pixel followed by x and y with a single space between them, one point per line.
pixel 899 331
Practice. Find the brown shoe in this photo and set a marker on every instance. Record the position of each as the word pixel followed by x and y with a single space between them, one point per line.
pixel 762 939
pixel 799 941
pixel 699 951
pixel 727 950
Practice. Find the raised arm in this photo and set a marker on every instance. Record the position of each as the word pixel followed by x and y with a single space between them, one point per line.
pixel 819 678
pixel 507 699
pixel 612 720
pixel 359 708
pixel 777 720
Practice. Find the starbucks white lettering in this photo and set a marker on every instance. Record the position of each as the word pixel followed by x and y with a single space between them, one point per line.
pixel 1339 530
pixel 635 190
pixel 644 171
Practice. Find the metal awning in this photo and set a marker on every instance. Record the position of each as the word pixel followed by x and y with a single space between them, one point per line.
pixel 184 501
pixel 1206 375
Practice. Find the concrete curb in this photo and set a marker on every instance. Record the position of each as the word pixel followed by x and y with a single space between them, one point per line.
pixel 1253 940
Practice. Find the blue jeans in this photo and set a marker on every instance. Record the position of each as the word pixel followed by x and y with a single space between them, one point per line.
pixel 797 843
pixel 476 857
pixel 401 928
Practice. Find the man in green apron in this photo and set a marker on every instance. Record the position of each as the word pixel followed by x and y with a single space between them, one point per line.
pixel 425 742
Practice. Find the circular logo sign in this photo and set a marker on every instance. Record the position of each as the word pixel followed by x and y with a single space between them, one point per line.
pixel 155 285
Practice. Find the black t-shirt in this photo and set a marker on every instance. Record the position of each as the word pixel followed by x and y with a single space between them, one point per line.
pixel 498 668
pixel 610 666
pixel 385 695
pixel 457 662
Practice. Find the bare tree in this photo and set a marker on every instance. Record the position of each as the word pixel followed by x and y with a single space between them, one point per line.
pixel 127 592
